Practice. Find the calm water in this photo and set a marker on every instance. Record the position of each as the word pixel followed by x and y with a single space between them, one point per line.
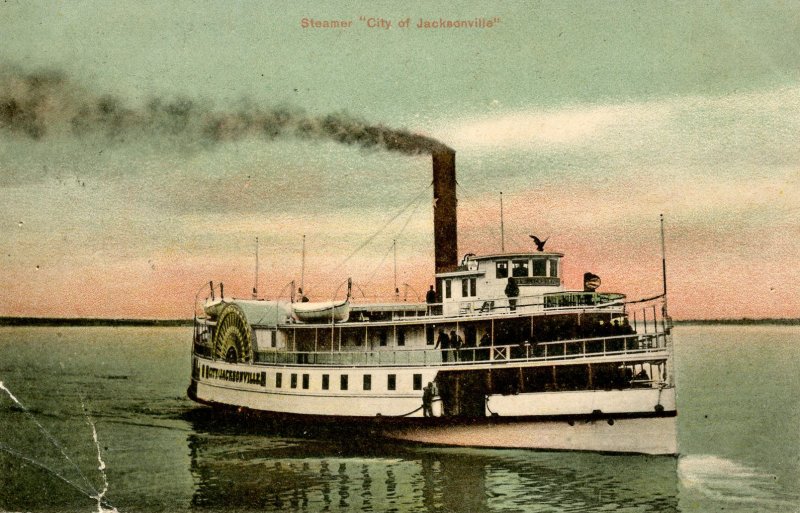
pixel 739 402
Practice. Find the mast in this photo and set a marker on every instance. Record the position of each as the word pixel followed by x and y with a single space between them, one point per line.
pixel 303 265
pixel 502 231
pixel 663 263
pixel 396 290
pixel 255 284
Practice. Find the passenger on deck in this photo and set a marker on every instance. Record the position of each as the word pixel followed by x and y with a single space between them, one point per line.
pixel 443 342
pixel 641 379
pixel 430 298
pixel 427 400
pixel 512 291
pixel 626 327
pixel 470 351
pixel 521 351
pixel 457 343
pixel 486 343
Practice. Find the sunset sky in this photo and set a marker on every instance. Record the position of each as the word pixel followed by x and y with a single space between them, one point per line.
pixel 592 118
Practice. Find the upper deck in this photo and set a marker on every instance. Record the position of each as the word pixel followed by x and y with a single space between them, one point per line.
pixel 498 279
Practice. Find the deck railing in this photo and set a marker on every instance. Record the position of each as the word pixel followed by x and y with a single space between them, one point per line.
pixel 551 302
pixel 567 350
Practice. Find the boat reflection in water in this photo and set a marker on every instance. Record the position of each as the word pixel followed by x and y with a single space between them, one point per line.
pixel 269 468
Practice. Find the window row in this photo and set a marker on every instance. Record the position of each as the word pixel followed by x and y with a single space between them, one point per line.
pixel 344 381
pixel 469 288
pixel 525 268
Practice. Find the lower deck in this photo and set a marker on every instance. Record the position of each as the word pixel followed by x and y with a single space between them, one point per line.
pixel 471 390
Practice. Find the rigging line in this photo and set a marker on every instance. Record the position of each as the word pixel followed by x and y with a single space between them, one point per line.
pixel 387 223
pixel 396 236
pixel 375 269
pixel 467 193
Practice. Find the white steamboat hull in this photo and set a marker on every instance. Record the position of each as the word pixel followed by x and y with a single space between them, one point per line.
pixel 649 435
pixel 634 420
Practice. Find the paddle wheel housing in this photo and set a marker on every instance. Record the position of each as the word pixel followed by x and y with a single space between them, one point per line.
pixel 233 341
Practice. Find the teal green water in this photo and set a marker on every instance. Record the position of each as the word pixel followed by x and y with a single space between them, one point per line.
pixel 739 413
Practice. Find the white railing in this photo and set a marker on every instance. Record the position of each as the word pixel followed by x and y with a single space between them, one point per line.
pixel 499 354
pixel 551 302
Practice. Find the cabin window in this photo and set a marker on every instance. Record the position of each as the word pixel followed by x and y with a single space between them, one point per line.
pixel 473 286
pixel 294 381
pixel 429 334
pixel 273 335
pixel 401 337
pixel 417 381
pixel 539 267
pixel 502 270
pixel 520 268
pixel 391 382
pixel 278 380
pixel 468 287
pixel 343 382
pixel 448 288
pixel 382 337
pixel 305 381
pixel 326 381
pixel 367 381
pixel 553 267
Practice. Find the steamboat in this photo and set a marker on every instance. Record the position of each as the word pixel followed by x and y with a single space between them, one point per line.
pixel 501 354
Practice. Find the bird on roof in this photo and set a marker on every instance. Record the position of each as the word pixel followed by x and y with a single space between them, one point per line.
pixel 539 243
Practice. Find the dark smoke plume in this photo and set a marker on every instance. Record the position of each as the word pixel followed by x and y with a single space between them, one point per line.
pixel 44 104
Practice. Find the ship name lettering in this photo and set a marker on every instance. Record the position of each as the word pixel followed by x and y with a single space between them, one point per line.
pixel 236 376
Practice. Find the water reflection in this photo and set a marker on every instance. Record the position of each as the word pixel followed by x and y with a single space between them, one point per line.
pixel 270 468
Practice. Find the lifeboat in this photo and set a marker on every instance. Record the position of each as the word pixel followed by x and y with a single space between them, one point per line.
pixel 319 312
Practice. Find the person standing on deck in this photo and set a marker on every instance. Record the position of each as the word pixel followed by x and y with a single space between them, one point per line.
pixel 457 343
pixel 512 291
pixel 430 298
pixel 486 343
pixel 427 400
pixel 443 342
pixel 470 346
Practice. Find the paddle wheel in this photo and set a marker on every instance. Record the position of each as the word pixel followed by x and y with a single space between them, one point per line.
pixel 232 336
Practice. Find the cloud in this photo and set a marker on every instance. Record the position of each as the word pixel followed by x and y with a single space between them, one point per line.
pixel 754 128
pixel 569 126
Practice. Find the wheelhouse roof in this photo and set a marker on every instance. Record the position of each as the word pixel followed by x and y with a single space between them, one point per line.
pixel 525 254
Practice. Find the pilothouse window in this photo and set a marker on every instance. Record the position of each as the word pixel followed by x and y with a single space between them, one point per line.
pixel 520 268
pixel 553 267
pixel 502 270
pixel 539 267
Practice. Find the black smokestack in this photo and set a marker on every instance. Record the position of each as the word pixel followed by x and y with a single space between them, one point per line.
pixel 445 232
